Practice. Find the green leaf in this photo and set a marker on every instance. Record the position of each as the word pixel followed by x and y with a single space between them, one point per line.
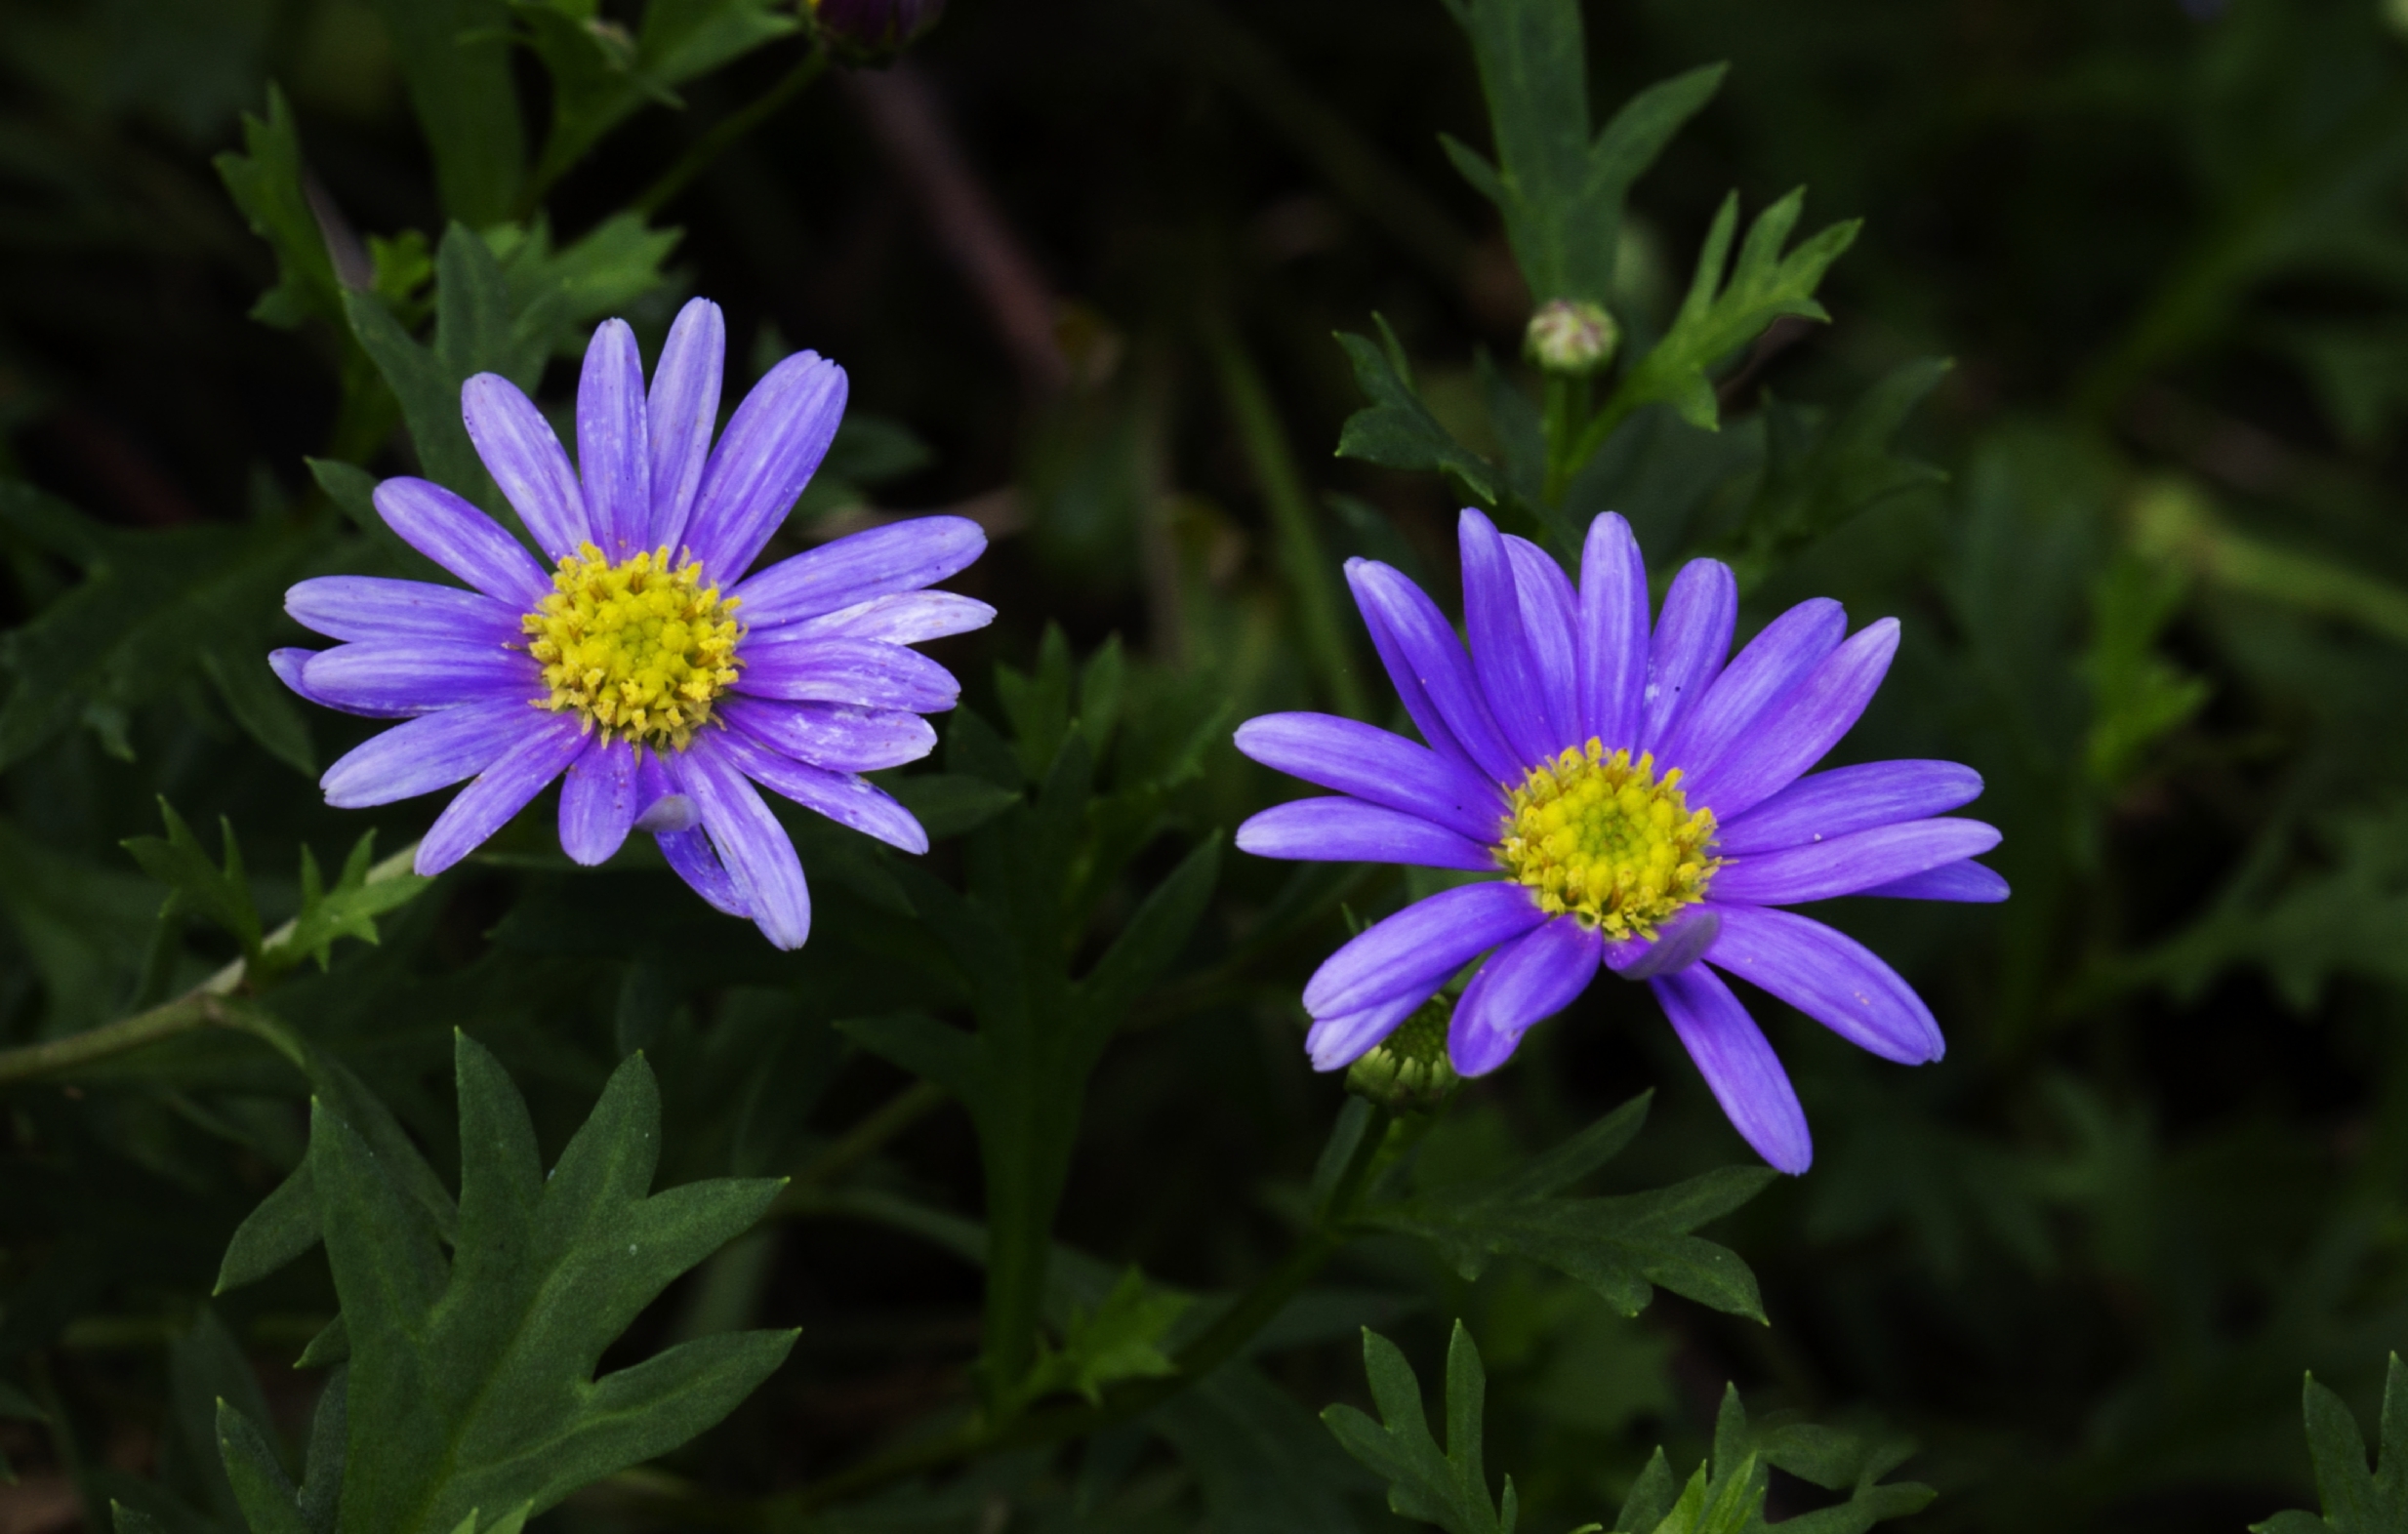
pixel 281 1230
pixel 557 295
pixel 950 804
pixel 1621 1247
pixel 262 704
pixel 1153 938
pixel 1257 1461
pixel 269 1503
pixel 1560 190
pixel 1725 1495
pixel 471 1384
pixel 2136 695
pixel 1447 1487
pixel 197 887
pixel 454 56
pixel 348 910
pixel 1396 430
pixel 1119 1338
pixel 2354 1501
pixel 948 1056
pixel 266 181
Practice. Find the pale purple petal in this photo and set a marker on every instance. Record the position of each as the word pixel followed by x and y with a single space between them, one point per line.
pixel 1796 729
pixel 668 813
pixel 1773 661
pixel 1842 865
pixel 1342 829
pixel 844 797
pixel 1551 627
pixel 1433 675
pixel 1832 978
pixel 1433 937
pixel 840 737
pixel 614 447
pixel 597 800
pixel 1969 882
pixel 1613 635
pixel 856 672
pixel 755 848
pixel 1692 636
pixel 1335 1042
pixel 1374 765
pixel 463 540
pixel 1738 1065
pixel 904 618
pixel 291 666
pixel 526 462
pixel 431 751
pixel 537 756
pixel 773 443
pixel 1681 939
pixel 1500 651
pixel 679 416
pixel 1527 981
pixel 399 677
pixel 878 561
pixel 373 607
pixel 1849 799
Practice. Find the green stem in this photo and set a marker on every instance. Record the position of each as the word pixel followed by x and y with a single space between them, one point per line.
pixel 725 134
pixel 205 1005
pixel 857 1143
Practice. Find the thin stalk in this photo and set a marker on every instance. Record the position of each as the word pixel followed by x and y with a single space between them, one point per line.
pixel 1302 557
pixel 205 1005
pixel 728 131
pixel 859 1142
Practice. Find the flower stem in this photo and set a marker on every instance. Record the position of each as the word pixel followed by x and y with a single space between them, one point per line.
pixel 726 133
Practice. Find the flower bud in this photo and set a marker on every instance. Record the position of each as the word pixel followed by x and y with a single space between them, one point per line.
pixel 1571 336
pixel 872 32
pixel 1409 1071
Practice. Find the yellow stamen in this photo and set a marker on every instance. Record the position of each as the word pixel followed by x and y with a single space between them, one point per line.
pixel 637 648
pixel 1598 838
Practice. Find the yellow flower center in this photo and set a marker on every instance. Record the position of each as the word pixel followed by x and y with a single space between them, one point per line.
pixel 638 647
pixel 1598 838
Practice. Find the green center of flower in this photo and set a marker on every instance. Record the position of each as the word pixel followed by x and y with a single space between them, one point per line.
pixel 638 648
pixel 1597 837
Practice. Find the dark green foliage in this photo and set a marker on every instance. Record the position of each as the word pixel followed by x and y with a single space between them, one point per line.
pixel 1447 1487
pixel 2354 1502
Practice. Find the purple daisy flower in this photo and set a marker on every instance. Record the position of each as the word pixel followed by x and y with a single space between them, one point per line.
pixel 662 699
pixel 1641 807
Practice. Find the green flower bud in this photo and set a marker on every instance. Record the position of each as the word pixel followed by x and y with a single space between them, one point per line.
pixel 1571 335
pixel 1408 1072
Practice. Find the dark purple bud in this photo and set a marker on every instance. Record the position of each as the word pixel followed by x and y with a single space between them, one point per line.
pixel 872 30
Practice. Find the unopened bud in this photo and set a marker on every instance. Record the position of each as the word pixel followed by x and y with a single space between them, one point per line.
pixel 872 32
pixel 1571 335
pixel 1408 1072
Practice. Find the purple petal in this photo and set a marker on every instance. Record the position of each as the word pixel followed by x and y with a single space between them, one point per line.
pixel 680 835
pixel 396 678
pixel 538 756
pixel 463 540
pixel 839 737
pixel 372 607
pixel 901 556
pixel 679 416
pixel 1832 978
pixel 614 447
pixel 1773 661
pixel 1849 799
pixel 1500 651
pixel 597 801
pixel 1680 941
pixel 1745 1075
pixel 1336 1041
pixel 1374 765
pixel 1430 938
pixel 1843 864
pixel 758 856
pixel 1796 729
pixel 1551 627
pixel 432 751
pixel 1613 635
pixel 526 462
pixel 772 444
pixel 292 664
pixel 905 618
pixel 855 672
pixel 1526 982
pixel 1433 677
pixel 842 796
pixel 1693 635
pixel 1968 882
pixel 1348 830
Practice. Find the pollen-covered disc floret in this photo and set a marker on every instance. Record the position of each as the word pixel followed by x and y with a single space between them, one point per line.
pixel 640 648
pixel 1598 838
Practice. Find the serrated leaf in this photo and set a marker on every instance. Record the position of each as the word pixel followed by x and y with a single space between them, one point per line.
pixel 262 706
pixel 454 56
pixel 1447 1487
pixel 1396 430
pixel 2354 1501
pixel 348 910
pixel 266 181
pixel 1119 1338
pixel 471 1383
pixel 197 887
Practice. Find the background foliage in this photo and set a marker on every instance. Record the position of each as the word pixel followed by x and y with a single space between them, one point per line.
pixel 2108 411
